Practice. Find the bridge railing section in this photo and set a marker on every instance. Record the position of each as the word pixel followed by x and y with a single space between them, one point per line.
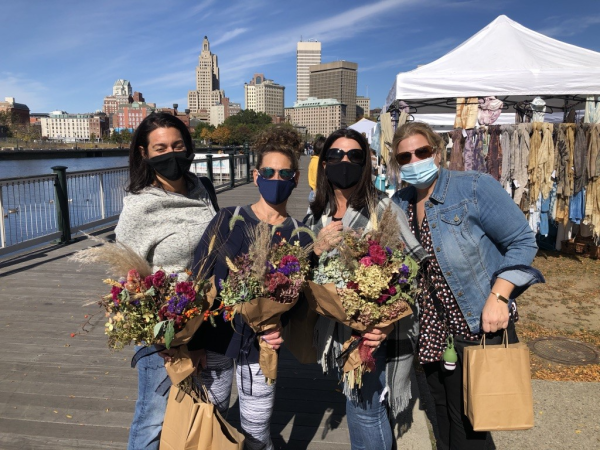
pixel 38 209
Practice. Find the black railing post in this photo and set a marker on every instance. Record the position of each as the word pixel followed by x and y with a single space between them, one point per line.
pixel 209 168
pixel 232 171
pixel 247 153
pixel 62 203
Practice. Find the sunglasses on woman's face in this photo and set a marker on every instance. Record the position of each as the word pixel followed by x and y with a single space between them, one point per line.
pixel 421 153
pixel 335 156
pixel 284 174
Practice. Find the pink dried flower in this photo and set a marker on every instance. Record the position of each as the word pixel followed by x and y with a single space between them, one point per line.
pixel 158 278
pixel 377 254
pixel 366 261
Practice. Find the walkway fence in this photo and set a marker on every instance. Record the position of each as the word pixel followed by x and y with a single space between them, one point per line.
pixel 39 209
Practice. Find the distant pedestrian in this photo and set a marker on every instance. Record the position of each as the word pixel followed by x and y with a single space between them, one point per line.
pixel 313 167
pixel 162 220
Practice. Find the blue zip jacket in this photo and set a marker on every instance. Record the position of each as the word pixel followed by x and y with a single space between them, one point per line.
pixel 478 234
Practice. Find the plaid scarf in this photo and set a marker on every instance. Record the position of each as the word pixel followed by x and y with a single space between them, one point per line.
pixel 330 336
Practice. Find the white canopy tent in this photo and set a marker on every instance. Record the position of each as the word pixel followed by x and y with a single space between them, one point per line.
pixel 505 60
pixel 364 126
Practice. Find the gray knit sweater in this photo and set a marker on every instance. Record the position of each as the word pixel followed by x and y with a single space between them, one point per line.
pixel 165 227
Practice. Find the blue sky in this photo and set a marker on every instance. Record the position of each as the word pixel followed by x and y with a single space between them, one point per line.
pixel 67 54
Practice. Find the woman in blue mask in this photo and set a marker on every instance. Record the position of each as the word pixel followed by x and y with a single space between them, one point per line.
pixel 276 175
pixel 347 198
pixel 481 249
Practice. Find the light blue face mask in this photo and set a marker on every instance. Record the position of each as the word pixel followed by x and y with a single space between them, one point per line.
pixel 420 174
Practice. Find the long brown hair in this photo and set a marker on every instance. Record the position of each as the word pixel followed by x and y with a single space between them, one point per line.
pixel 363 192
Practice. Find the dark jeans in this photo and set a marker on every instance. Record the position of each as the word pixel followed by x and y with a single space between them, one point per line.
pixel 446 388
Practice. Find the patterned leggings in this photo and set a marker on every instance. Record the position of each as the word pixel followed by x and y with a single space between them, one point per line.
pixel 256 398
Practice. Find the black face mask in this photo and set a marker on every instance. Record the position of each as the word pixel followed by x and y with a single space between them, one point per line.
pixel 344 175
pixel 172 165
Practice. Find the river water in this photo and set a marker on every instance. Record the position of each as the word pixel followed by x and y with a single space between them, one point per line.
pixel 27 168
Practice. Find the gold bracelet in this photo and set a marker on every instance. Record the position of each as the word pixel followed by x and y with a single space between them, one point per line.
pixel 500 297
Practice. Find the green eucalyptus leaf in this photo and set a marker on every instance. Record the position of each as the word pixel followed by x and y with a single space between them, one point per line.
pixel 150 292
pixel 158 328
pixel 169 334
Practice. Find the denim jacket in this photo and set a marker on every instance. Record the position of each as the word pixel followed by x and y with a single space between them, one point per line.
pixel 478 234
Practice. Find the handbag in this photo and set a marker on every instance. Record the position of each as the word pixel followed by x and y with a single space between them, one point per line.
pixel 192 422
pixel 497 386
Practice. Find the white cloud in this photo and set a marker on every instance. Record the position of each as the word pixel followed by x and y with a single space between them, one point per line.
pixel 570 27
pixel 229 36
pixel 24 90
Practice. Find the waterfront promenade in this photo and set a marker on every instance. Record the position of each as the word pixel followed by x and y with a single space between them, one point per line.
pixel 63 392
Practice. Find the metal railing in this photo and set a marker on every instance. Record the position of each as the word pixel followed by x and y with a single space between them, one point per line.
pixel 38 209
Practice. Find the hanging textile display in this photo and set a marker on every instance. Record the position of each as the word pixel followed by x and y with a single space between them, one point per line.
pixel 480 142
pixel 523 112
pixel 538 106
pixel 494 155
pixel 489 110
pixel 546 160
pixel 466 112
pixel 592 110
pixel 520 159
pixel 469 150
pixel 580 160
pixel 387 135
pixel 506 144
pixel 592 204
pixel 456 155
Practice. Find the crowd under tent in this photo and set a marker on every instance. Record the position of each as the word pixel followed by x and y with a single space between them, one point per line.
pixel 505 60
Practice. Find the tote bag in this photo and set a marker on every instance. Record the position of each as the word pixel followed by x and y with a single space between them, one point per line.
pixel 497 386
pixel 193 423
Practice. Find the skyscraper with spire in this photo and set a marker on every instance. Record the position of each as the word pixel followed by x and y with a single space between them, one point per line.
pixel 308 53
pixel 208 92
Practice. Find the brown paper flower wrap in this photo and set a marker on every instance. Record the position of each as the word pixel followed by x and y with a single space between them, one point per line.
pixel 262 315
pixel 325 300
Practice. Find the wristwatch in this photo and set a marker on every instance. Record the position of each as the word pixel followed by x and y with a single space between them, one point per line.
pixel 500 297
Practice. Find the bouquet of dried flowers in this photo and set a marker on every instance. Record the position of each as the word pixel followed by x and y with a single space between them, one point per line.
pixel 149 308
pixel 152 309
pixel 263 284
pixel 366 282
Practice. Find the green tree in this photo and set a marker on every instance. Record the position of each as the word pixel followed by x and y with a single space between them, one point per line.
pixel 199 130
pixel 126 136
pixel 221 135
pixel 249 117
pixel 6 121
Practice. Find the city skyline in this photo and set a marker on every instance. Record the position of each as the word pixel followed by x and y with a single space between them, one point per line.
pixel 73 52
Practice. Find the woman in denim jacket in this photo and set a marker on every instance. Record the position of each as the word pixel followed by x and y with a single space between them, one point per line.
pixel 481 249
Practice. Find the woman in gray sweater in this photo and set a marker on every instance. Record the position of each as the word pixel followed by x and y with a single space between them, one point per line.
pixel 163 220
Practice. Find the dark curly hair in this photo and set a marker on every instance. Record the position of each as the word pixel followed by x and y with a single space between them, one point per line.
pixel 141 174
pixel 281 139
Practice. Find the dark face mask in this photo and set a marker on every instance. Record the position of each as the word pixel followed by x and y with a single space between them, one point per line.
pixel 275 192
pixel 172 165
pixel 344 175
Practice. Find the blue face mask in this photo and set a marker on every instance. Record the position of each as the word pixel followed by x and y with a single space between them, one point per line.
pixel 420 174
pixel 275 192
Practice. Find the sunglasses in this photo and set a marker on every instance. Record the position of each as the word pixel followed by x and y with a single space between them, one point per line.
pixel 284 174
pixel 335 156
pixel 421 153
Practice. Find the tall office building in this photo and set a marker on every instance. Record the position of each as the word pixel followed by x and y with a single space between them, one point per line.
pixel 336 80
pixel 266 96
pixel 207 91
pixel 363 106
pixel 318 115
pixel 307 54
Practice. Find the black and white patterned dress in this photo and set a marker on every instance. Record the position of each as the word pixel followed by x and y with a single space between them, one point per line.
pixel 433 331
